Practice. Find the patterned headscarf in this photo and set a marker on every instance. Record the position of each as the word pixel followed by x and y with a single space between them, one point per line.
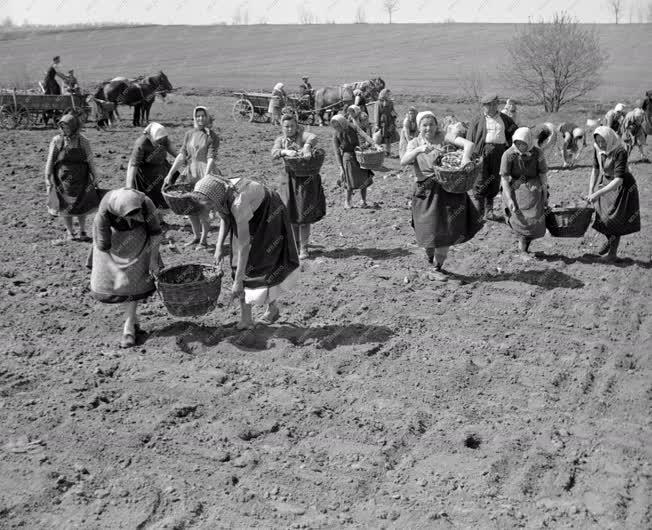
pixel 214 192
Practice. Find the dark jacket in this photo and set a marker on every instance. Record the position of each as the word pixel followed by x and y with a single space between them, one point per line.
pixel 478 131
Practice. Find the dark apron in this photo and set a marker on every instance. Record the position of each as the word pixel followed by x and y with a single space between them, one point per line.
pixel 150 177
pixel 618 212
pixel 73 192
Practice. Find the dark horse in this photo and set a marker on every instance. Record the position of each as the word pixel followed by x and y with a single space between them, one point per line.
pixel 332 99
pixel 139 94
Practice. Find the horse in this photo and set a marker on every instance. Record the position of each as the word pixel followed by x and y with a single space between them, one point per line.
pixel 332 98
pixel 137 94
pixel 370 88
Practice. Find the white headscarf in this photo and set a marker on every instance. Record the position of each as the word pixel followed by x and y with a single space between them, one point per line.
pixel 524 134
pixel 209 119
pixel 423 114
pixel 155 131
pixel 278 86
pixel 619 107
pixel 610 137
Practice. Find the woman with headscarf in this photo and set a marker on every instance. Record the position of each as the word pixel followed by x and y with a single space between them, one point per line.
pixel 409 130
pixel 264 259
pixel 511 110
pixel 352 176
pixel 276 103
pixel 360 122
pixel 125 254
pixel 148 165
pixel 439 218
pixel 616 196
pixel 199 154
pixel 71 177
pixel 303 196
pixel 360 100
pixel 523 173
pixel 386 121
pixel 572 143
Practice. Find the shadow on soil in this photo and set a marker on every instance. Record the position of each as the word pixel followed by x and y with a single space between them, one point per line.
pixel 320 337
pixel 548 279
pixel 594 258
pixel 374 253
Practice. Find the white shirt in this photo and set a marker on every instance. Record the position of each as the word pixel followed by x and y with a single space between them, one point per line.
pixel 495 130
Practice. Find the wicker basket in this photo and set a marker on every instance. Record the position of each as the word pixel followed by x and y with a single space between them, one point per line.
pixel 459 180
pixel 176 195
pixel 370 159
pixel 306 167
pixel 568 222
pixel 189 290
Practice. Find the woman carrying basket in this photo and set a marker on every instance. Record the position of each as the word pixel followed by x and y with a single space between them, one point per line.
pixel 125 254
pixel 523 173
pixel 352 176
pixel 440 219
pixel 264 257
pixel 386 125
pixel 199 154
pixel 71 177
pixel 616 197
pixel 303 196
pixel 148 165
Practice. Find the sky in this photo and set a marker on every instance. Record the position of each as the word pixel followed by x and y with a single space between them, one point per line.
pixel 292 11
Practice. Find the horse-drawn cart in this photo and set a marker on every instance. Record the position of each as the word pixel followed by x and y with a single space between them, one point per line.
pixel 254 106
pixel 24 110
pixel 251 106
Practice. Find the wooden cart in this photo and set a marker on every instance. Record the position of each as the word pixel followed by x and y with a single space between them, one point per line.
pixel 251 106
pixel 25 110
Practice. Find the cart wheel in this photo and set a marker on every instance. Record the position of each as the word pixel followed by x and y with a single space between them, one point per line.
pixel 22 118
pixel 4 117
pixel 243 110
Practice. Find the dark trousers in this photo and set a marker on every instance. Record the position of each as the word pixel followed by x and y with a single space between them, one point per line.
pixel 488 184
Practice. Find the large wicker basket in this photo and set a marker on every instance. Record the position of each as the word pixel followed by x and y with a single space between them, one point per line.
pixel 568 222
pixel 459 180
pixel 178 199
pixel 306 167
pixel 370 159
pixel 189 290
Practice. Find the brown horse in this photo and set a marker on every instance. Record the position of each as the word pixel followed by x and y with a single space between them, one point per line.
pixel 137 94
pixel 332 99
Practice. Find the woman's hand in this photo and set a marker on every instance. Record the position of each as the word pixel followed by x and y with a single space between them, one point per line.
pixel 513 207
pixel 427 148
pixel 168 180
pixel 592 197
pixel 290 152
pixel 219 254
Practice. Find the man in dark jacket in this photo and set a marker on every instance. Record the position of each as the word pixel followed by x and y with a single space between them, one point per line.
pixel 491 132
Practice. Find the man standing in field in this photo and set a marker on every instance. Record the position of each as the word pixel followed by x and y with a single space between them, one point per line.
pixel 306 89
pixel 491 132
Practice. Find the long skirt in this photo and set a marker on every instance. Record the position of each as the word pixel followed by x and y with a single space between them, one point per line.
pixel 355 178
pixel 122 273
pixel 488 184
pixel 73 191
pixel 149 180
pixel 272 267
pixel 618 211
pixel 530 220
pixel 303 197
pixel 440 218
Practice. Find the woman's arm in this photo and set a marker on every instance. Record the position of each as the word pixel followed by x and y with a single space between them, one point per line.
pixel 170 148
pixel 338 153
pixel 505 179
pixel 243 242
pixel 136 162
pixel 154 259
pixel 411 154
pixel 213 146
pixel 593 179
pixel 49 163
pixel 467 145
pixel 178 162
pixel 617 181
pixel 225 228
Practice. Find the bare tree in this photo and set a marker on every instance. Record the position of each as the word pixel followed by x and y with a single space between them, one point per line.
pixel 360 17
pixel 472 84
pixel 236 19
pixel 390 6
pixel 556 62
pixel 245 17
pixel 616 7
pixel 7 22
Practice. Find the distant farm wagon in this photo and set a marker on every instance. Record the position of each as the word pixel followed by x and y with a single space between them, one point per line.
pixel 253 106
pixel 21 111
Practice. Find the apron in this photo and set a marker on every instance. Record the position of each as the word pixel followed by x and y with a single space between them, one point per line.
pixel 130 251
pixel 149 179
pixel 73 191
pixel 530 220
